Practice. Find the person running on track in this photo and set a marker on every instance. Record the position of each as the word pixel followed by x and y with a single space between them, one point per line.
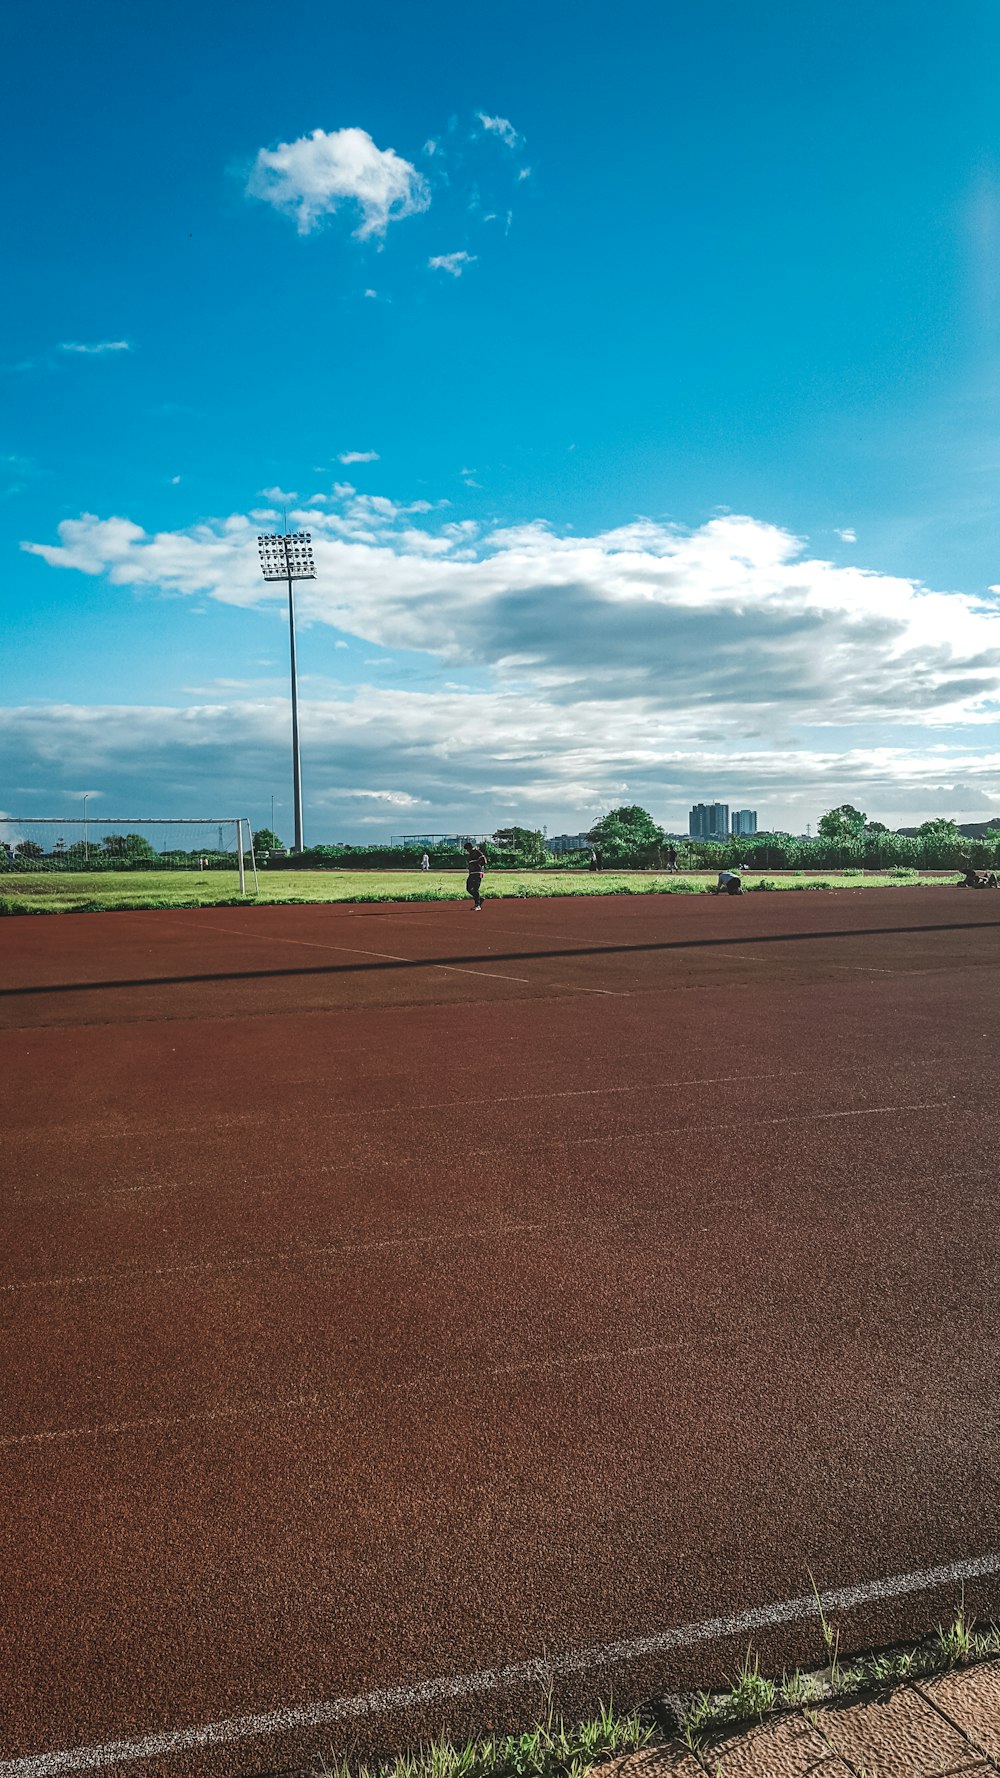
pixel 476 861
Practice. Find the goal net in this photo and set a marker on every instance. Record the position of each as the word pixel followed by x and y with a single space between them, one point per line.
pixel 100 844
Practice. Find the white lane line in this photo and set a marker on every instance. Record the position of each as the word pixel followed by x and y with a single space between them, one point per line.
pixel 805 1117
pixel 109 1192
pixel 288 1256
pixel 128 1128
pixel 537 1671
pixel 312 944
pixel 327 1404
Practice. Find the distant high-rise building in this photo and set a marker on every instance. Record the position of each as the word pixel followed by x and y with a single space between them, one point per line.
pixel 709 821
pixel 744 821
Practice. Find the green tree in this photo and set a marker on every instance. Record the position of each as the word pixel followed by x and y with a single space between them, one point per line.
pixel 27 849
pixel 940 829
pixel 521 845
pixel 627 835
pixel 266 840
pixel 940 843
pixel 133 847
pixel 843 824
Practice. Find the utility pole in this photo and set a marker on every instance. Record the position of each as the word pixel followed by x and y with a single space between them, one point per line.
pixel 288 556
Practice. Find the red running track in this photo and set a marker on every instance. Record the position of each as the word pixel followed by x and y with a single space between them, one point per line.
pixel 392 1297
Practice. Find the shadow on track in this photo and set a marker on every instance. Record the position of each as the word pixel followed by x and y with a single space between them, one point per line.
pixel 376 965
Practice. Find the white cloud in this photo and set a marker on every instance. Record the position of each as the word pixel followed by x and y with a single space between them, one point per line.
pixel 373 294
pixel 524 173
pixel 400 799
pixel 358 457
pixel 280 496
pixel 407 749
pixel 455 263
pixel 502 127
pixel 312 176
pixel 430 146
pixel 848 535
pixel 728 629
pixel 96 349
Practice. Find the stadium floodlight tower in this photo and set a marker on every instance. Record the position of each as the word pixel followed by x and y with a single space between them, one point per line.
pixel 288 556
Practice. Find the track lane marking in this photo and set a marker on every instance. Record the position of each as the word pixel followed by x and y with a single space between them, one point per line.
pixel 538 1670
pixel 314 944
pixel 805 1117
pixel 315 1403
pixel 240 1119
pixel 288 1256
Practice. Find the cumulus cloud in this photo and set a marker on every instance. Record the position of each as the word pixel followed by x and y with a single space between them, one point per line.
pixel 731 623
pixel 848 535
pixel 358 457
pixel 455 263
pixel 502 127
pixel 311 177
pixel 411 749
pixel 281 496
pixel 95 348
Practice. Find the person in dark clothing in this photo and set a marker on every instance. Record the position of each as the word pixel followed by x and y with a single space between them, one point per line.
pixel 671 858
pixel 476 861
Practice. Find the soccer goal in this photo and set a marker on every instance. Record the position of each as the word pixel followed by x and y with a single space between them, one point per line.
pixel 99 844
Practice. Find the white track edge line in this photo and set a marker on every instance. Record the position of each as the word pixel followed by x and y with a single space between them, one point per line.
pixel 539 1670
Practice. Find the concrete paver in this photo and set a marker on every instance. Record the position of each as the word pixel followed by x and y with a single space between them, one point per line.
pixel 655 1761
pixel 898 1736
pixel 944 1727
pixel 784 1747
pixel 971 1700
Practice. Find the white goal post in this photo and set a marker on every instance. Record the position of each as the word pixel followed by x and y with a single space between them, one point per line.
pixel 99 843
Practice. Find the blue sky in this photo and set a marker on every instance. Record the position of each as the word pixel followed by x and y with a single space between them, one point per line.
pixel 661 345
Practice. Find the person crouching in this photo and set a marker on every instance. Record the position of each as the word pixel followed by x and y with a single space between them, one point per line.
pixel 730 883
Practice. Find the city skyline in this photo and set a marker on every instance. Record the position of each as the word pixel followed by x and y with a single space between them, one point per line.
pixel 639 455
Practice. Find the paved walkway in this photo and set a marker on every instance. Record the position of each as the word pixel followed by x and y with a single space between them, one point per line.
pixel 936 1728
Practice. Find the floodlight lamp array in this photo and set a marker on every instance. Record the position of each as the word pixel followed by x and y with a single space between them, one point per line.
pixel 284 557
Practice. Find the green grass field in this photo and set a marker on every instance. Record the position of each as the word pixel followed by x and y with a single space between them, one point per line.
pixel 64 892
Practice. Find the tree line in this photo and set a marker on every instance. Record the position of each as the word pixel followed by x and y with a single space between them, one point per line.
pixel 625 838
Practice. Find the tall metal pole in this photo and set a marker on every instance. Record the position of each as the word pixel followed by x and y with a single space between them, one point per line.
pixel 288 556
pixel 296 760
pixel 86 834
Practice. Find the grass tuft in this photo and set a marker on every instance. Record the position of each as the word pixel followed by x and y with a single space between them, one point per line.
pixel 752 1695
pixel 552 1750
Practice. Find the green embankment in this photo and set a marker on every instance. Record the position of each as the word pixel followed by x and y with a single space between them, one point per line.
pixel 63 892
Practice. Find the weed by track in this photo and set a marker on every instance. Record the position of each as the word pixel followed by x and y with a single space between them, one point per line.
pixel 551 1750
pixel 554 1750
pixel 752 1695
